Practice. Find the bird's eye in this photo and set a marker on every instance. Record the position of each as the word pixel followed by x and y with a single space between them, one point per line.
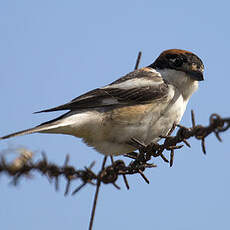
pixel 176 61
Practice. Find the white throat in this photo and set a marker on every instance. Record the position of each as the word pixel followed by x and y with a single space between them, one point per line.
pixel 186 85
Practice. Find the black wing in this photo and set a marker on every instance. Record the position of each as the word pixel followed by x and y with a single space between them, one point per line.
pixel 123 91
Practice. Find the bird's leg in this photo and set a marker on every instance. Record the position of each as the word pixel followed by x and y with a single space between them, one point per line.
pixel 132 155
pixel 136 143
pixel 172 129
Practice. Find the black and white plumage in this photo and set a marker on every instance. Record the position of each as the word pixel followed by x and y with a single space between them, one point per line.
pixel 143 104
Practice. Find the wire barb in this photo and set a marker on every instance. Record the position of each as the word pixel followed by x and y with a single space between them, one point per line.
pixel 96 196
pixel 143 176
pixel 126 181
pixel 138 60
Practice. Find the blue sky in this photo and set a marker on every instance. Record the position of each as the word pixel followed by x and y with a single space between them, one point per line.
pixel 52 51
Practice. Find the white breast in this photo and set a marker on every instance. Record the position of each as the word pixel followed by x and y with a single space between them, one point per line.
pixel 170 116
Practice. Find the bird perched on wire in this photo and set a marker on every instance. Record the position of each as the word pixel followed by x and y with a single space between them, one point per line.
pixel 144 104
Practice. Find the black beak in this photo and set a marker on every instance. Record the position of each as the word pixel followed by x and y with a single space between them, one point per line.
pixel 196 75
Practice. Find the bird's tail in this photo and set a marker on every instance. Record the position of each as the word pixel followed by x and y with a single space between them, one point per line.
pixel 47 127
pixel 36 129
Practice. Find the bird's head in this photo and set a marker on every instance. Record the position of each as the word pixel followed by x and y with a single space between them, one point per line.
pixel 180 60
pixel 180 67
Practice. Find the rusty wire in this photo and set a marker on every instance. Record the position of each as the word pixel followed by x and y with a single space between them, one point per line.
pixel 110 173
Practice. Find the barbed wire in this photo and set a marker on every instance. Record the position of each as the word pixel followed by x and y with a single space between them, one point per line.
pixel 24 165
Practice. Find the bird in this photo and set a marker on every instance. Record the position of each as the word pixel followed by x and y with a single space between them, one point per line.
pixel 144 105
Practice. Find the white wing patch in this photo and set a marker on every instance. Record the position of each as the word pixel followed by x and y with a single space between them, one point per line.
pixel 109 101
pixel 134 83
